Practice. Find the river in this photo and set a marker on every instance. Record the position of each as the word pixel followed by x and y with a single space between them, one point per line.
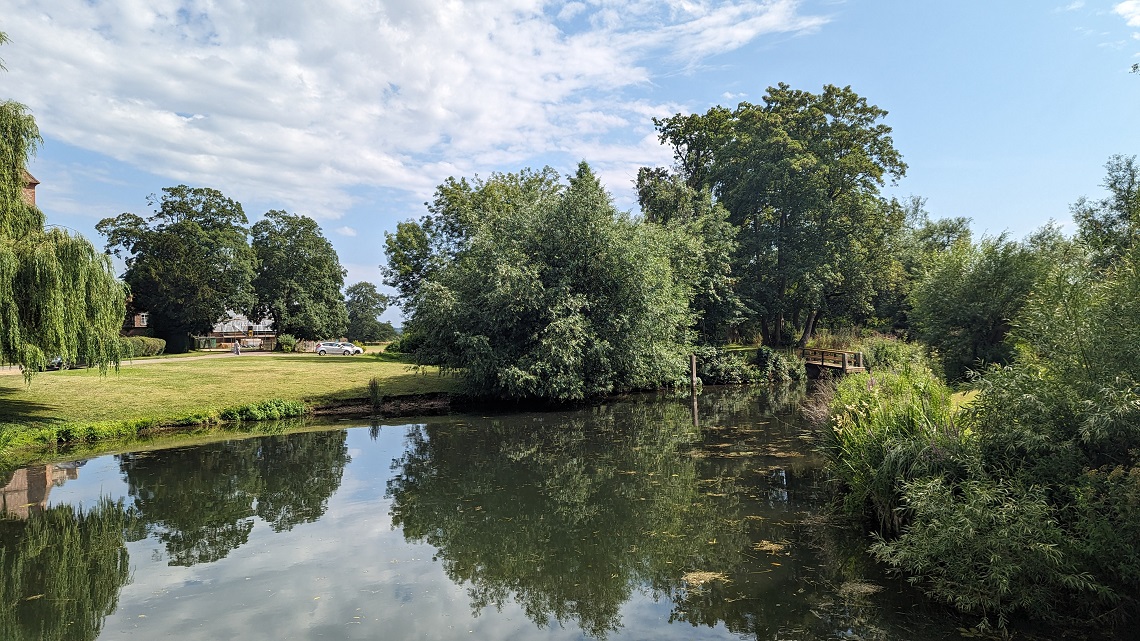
pixel 621 521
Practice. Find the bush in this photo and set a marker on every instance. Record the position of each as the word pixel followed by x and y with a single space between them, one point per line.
pixel 717 366
pixel 264 411
pixel 986 547
pixel 406 343
pixel 133 346
pixel 287 342
pixel 885 352
pixel 888 429
pixel 779 367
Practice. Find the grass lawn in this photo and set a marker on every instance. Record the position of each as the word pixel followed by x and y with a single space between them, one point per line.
pixel 175 389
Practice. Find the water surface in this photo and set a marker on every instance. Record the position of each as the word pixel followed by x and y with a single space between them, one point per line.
pixel 622 521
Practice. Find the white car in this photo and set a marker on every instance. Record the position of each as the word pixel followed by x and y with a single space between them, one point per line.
pixel 333 347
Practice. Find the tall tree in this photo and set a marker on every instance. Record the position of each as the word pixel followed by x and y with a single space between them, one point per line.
pixel 800 175
pixel 188 264
pixel 58 295
pixel 553 294
pixel 299 278
pixel 365 305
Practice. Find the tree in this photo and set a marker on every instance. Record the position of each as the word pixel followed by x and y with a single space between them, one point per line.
pixel 58 295
pixel 1110 226
pixel 548 292
pixel 299 278
pixel 188 264
pixel 800 175
pixel 965 303
pixel 704 242
pixel 365 305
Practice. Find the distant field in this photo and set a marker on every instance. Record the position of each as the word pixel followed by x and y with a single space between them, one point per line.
pixel 176 388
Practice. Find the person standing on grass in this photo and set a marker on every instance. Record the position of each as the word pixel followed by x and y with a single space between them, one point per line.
pixel 237 347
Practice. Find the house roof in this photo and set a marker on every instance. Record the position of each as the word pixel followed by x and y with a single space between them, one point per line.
pixel 30 179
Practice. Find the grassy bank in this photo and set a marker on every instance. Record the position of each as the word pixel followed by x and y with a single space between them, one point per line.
pixel 83 405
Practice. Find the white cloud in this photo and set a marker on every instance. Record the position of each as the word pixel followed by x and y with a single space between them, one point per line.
pixel 301 101
pixel 1130 11
pixel 346 231
pixel 1073 6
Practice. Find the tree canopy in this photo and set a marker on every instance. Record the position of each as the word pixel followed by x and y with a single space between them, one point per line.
pixel 188 264
pixel 365 305
pixel 800 175
pixel 543 290
pixel 58 295
pixel 299 278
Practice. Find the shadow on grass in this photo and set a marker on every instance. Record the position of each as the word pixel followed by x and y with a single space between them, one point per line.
pixel 23 411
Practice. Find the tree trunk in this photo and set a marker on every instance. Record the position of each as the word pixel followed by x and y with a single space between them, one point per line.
pixel 765 335
pixel 778 333
pixel 809 327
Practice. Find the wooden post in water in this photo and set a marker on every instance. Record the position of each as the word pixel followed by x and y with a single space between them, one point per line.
pixel 693 372
pixel 693 387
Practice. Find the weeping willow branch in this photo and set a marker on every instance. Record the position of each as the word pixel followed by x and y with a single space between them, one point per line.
pixel 58 295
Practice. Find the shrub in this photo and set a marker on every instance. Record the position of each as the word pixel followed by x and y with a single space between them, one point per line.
pixel 287 342
pixel 407 343
pixel 717 366
pixel 133 346
pixel 987 547
pixel 779 367
pixel 888 429
pixel 264 410
pixel 886 352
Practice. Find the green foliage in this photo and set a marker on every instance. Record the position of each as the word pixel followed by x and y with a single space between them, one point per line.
pixel 717 366
pixel 365 305
pixel 887 429
pixel 270 410
pixel 886 352
pixel 58 295
pixel 779 367
pixel 987 547
pixel 703 244
pixel 287 342
pixel 1110 226
pixel 551 294
pixel 800 175
pixel 188 264
pixel 375 394
pixel 965 303
pixel 298 279
pixel 134 346
pixel 406 343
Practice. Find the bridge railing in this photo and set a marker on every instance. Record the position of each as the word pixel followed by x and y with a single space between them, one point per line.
pixel 834 358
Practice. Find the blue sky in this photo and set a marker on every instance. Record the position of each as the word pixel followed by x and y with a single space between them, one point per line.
pixel 351 112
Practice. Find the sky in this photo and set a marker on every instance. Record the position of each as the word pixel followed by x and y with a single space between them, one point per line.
pixel 352 111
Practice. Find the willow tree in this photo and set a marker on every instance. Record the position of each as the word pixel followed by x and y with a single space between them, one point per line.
pixel 58 295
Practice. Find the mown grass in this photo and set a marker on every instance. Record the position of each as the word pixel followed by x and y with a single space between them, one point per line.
pixel 82 405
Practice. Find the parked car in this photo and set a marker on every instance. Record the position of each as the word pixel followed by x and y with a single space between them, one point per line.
pixel 333 347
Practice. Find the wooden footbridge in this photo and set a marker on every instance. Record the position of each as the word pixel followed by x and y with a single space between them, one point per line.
pixel 834 359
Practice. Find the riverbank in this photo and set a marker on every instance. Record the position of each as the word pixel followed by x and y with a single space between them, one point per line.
pixel 64 407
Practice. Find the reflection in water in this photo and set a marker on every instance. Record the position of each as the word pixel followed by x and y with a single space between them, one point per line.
pixel 565 516
pixel 200 502
pixel 61 571
pixel 28 488
pixel 619 521
pixel 569 517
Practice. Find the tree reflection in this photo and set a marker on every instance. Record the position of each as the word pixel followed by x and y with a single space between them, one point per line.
pixel 567 515
pixel 61 571
pixel 201 502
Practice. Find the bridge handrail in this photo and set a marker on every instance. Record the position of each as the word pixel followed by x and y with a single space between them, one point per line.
pixel 834 357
